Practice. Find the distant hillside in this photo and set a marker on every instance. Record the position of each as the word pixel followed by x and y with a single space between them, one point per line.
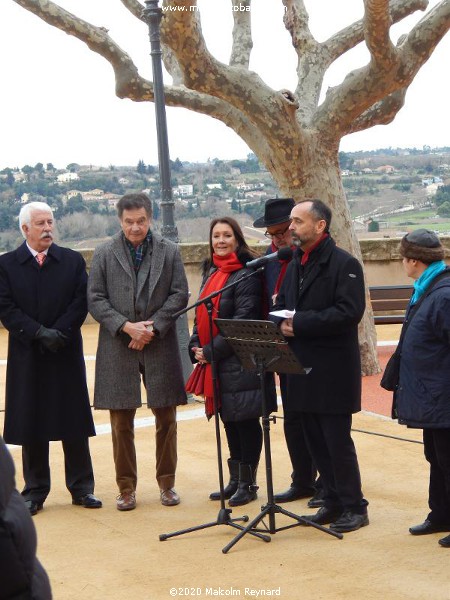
pixel 382 186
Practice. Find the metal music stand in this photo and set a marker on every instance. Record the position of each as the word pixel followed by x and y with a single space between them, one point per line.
pixel 261 347
pixel 224 515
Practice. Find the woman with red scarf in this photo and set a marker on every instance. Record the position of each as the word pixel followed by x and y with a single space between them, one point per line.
pixel 240 402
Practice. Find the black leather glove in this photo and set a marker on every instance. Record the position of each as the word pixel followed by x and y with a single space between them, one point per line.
pixel 51 339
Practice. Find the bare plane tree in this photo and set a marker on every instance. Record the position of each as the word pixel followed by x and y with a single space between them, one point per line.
pixel 295 135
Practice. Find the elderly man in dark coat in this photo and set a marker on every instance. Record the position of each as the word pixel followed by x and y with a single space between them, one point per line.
pixel 43 305
pixel 136 283
pixel 324 285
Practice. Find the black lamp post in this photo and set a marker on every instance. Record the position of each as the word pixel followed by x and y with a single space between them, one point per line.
pixel 152 14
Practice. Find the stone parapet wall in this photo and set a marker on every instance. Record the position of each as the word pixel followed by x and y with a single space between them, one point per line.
pixel 382 261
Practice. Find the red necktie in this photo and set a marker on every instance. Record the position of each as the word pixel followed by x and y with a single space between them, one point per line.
pixel 40 257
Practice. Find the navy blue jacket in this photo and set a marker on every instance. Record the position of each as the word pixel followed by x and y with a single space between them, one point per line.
pixel 423 394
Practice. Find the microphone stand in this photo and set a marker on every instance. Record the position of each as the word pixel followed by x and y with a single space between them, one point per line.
pixel 223 517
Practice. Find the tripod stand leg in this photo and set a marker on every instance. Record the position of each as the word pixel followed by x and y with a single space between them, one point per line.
pixel 166 536
pixel 249 529
pixel 303 521
pixel 223 518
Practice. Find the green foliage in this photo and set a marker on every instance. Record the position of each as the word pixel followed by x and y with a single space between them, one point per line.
pixel 402 187
pixel 251 165
pixel 176 166
pixel 346 161
pixel 444 209
pixel 373 226
pixel 75 204
pixel 6 218
pixel 442 195
pixel 27 170
pixel 141 168
pixel 39 169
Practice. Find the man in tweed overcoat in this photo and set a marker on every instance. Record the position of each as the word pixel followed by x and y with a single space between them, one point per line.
pixel 136 283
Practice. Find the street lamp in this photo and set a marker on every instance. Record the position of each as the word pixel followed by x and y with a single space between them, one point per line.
pixel 152 14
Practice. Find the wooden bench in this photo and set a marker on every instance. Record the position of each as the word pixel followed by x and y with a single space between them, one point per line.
pixel 389 303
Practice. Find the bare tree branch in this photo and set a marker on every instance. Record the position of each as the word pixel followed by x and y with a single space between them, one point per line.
pixel 96 38
pixel 169 59
pixel 364 87
pixel 296 21
pixel 181 31
pixel 135 8
pixel 377 23
pixel 381 113
pixel 351 36
pixel 242 34
pixel 314 58
pixel 171 63
pixel 429 31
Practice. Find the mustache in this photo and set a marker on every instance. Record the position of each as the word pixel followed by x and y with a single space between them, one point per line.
pixel 46 235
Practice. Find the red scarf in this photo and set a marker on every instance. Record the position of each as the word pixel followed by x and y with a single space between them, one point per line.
pixel 305 256
pixel 200 382
pixel 282 273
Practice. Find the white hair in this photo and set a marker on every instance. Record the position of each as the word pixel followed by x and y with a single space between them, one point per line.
pixel 27 210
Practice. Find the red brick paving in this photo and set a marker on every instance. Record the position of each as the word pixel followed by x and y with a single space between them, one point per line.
pixel 374 398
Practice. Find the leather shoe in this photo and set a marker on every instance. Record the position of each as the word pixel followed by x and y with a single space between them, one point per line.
pixel 169 497
pixel 350 521
pixel 317 500
pixel 126 501
pixel 34 507
pixel 88 501
pixel 324 516
pixel 292 494
pixel 445 542
pixel 428 527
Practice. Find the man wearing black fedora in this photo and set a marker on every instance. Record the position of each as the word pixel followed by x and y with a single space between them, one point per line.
pixel 276 220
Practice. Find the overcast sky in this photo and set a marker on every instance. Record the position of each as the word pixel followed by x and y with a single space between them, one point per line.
pixel 59 106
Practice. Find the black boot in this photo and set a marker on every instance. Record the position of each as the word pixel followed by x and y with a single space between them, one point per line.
pixel 232 486
pixel 247 487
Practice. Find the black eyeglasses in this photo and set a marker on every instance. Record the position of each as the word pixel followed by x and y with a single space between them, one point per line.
pixel 277 234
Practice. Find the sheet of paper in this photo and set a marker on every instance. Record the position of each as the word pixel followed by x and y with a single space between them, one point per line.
pixel 283 314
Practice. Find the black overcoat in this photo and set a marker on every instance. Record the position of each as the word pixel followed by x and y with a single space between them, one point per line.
pixel 329 299
pixel 46 392
pixel 240 390
pixel 22 576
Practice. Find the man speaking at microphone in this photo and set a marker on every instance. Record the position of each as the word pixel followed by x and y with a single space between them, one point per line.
pixel 324 285
pixel 276 220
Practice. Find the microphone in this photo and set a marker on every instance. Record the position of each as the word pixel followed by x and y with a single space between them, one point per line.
pixel 282 254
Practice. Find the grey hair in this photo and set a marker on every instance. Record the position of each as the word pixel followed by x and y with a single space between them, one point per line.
pixel 25 213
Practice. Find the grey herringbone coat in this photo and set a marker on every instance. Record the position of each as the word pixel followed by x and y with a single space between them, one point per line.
pixel 114 297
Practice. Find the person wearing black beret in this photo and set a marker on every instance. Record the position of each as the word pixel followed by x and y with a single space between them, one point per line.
pixel 422 396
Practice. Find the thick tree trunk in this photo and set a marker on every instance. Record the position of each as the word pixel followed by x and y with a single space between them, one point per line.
pixel 320 178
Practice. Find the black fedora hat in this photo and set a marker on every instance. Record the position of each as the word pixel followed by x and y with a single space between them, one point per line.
pixel 276 211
